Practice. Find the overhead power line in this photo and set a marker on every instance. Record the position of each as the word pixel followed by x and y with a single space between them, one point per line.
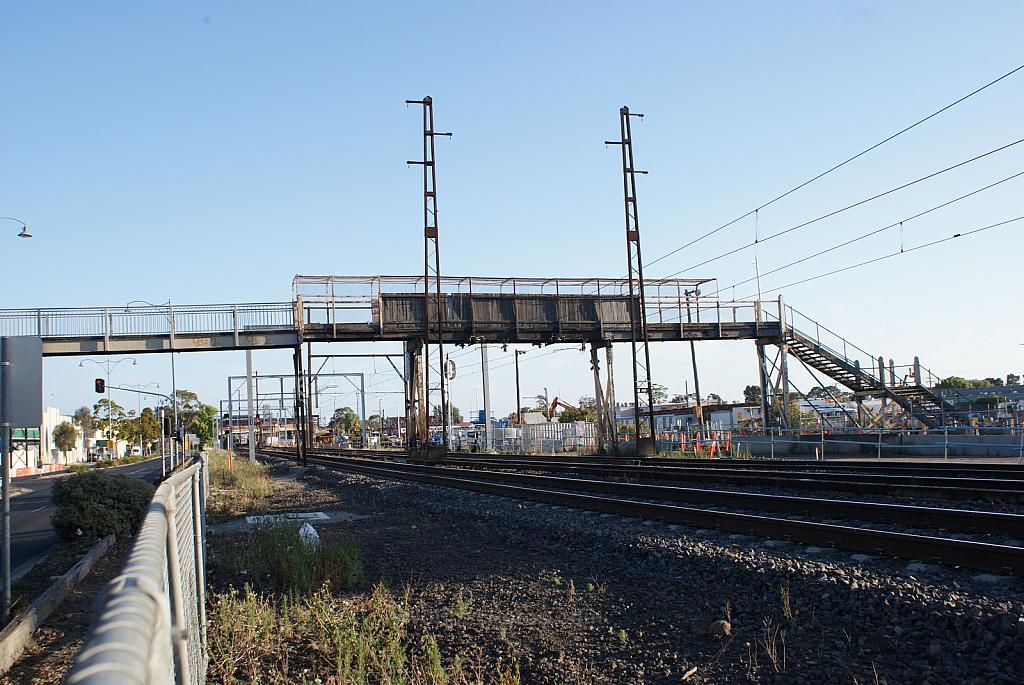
pixel 847 208
pixel 874 232
pixel 839 165
pixel 897 253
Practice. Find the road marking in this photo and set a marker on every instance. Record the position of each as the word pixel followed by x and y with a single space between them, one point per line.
pixel 39 509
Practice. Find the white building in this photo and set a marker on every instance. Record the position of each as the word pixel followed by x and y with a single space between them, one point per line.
pixel 34 450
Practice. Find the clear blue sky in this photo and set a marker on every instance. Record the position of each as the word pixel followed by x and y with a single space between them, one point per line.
pixel 207 152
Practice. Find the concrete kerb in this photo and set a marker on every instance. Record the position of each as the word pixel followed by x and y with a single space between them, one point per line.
pixel 16 635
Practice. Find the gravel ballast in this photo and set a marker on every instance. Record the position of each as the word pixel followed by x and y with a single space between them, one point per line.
pixel 580 597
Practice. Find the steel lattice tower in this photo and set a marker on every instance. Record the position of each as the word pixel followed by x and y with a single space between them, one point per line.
pixel 643 394
pixel 431 274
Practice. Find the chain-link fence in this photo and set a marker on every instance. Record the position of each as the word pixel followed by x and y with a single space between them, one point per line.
pixel 150 621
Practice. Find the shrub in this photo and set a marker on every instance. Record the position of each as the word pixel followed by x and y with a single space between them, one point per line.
pixel 79 468
pixel 242 487
pixel 299 568
pixel 99 504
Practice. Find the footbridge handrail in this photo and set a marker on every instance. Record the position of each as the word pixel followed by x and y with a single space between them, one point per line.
pixel 169 320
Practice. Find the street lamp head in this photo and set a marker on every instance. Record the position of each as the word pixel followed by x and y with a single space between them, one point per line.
pixel 24 227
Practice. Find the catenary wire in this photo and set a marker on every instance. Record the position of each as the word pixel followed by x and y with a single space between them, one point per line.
pixel 848 207
pixel 837 166
pixel 871 233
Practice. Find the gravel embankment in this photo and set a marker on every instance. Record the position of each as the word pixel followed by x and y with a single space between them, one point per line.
pixel 577 597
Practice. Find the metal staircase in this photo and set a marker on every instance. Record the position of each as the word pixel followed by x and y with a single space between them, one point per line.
pixel 916 399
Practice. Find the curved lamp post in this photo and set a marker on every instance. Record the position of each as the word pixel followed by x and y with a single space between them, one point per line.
pixel 108 366
pixel 24 227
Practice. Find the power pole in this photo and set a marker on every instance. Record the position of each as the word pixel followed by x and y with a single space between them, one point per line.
pixel 487 397
pixel 248 402
pixel 643 395
pixel 693 356
pixel 519 397
pixel 431 269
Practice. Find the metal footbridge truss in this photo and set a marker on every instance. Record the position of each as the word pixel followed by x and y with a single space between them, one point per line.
pixel 485 310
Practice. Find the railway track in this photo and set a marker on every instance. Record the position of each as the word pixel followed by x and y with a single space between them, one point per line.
pixel 888 465
pixel 629 499
pixel 952 469
pixel 1003 484
pixel 926 486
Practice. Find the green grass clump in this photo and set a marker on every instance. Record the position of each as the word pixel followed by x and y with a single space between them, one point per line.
pixel 298 568
pixel 461 605
pixel 256 638
pixel 237 486
pixel 98 504
pixel 79 468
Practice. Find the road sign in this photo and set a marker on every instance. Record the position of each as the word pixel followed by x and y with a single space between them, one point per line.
pixel 24 380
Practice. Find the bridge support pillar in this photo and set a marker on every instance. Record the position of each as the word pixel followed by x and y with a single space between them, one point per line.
pixel 784 382
pixel 881 377
pixel 249 399
pixel 609 399
pixel 766 401
pixel 298 421
pixel 415 416
pixel 599 410
pixel 310 431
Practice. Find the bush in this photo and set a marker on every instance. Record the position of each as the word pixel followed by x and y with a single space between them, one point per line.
pixel 99 504
pixel 298 568
pixel 79 468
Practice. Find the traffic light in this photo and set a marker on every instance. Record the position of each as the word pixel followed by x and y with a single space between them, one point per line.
pixel 101 386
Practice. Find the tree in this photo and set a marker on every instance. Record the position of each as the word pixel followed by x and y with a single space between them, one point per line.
pixel 572 414
pixel 677 399
pixel 150 425
pixel 65 436
pixel 102 415
pixel 752 394
pixel 995 382
pixel 344 420
pixel 1012 379
pixel 952 383
pixel 456 414
pixel 83 417
pixel 828 392
pixel 659 393
pixel 145 427
pixel 713 398
pixel 588 408
pixel 199 421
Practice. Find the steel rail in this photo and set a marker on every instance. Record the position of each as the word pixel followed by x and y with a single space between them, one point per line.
pixel 935 486
pixel 883 465
pixel 979 555
pixel 909 515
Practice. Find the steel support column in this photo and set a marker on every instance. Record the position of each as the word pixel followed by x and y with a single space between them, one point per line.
pixel 431 271
pixel 643 394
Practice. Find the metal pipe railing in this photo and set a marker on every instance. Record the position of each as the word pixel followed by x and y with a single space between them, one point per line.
pixel 149 624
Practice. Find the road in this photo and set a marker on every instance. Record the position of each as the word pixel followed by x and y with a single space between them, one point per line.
pixel 31 532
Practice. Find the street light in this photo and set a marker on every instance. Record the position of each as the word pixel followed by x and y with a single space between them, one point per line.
pixel 106 364
pixel 170 320
pixel 24 227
